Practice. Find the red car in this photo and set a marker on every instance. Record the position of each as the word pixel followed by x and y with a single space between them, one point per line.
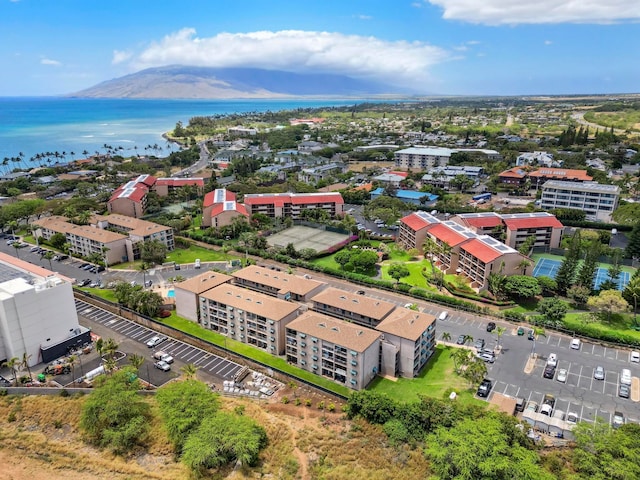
pixel 164 313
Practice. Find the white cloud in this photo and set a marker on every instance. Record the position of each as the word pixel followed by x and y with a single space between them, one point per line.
pixel 363 17
pixel 509 12
pixel 120 57
pixel 48 61
pixel 548 42
pixel 416 5
pixel 398 62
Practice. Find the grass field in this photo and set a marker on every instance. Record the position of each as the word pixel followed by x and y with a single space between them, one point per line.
pixel 181 255
pixel 435 379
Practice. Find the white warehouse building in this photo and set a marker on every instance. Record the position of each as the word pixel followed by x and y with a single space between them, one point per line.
pixel 37 313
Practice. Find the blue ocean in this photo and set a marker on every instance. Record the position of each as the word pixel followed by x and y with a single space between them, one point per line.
pixel 70 126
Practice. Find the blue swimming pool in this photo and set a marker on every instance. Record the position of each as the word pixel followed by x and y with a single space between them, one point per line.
pixel 171 293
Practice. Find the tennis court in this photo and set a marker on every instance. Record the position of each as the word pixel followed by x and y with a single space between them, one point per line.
pixel 549 268
pixel 306 237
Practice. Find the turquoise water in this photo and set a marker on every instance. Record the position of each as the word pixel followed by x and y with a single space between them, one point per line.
pixel 171 293
pixel 33 125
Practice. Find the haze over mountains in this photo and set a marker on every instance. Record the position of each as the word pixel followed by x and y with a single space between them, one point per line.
pixel 186 82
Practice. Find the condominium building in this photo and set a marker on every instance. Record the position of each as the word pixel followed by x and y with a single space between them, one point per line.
pixel 85 240
pixel 442 177
pixel 458 249
pixel 131 198
pixel 37 313
pixel 187 293
pixel 408 342
pixel 518 176
pixel 514 229
pixel 168 186
pixel 344 352
pixel 278 205
pixel 247 316
pixel 138 231
pixel 278 284
pixel 413 229
pixel 360 309
pixel 596 200
pixel 419 158
pixel 219 208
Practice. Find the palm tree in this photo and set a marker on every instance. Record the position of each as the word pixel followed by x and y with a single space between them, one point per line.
pixel 110 347
pixel 49 256
pixel 16 245
pixel 100 346
pixel 189 371
pixel 143 267
pixel 110 365
pixel 537 331
pixel 467 339
pixel 499 331
pixel 446 336
pixel 460 357
pixel 25 364
pixel 136 362
pixel 13 364
pixel 523 264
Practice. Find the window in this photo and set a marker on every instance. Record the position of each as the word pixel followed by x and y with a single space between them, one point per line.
pixel 315 357
pixel 354 373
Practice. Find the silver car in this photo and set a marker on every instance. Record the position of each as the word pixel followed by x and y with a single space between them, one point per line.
pixel 598 373
pixel 562 375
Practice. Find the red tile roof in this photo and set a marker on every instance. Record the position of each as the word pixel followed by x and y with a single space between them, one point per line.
pixel 447 235
pixel 561 174
pixel 332 197
pixel 400 174
pixel 414 222
pixel 136 195
pixel 219 208
pixel 279 199
pixel 209 198
pixel 180 182
pixel 480 250
pixel 538 222
pixel 483 222
pixel 516 172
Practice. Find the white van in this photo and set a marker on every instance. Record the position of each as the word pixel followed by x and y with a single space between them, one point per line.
pixel 197 263
pixel 625 376
pixel 443 315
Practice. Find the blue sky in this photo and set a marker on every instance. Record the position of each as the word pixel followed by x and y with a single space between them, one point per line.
pixel 449 47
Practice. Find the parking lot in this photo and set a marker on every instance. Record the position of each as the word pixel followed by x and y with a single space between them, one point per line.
pixel 220 368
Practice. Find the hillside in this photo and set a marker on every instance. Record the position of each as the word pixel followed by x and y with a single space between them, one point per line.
pixel 40 440
pixel 223 83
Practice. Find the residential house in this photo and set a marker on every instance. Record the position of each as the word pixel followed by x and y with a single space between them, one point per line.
pixel 219 208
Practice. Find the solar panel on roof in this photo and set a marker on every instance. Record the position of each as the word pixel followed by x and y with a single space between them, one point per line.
pixel 219 195
pixel 229 206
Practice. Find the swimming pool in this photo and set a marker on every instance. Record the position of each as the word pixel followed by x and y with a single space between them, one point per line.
pixel 171 293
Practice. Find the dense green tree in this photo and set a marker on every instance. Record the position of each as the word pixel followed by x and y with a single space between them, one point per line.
pixel 547 284
pixel 567 271
pixel 183 406
pixel 586 275
pixel 522 286
pixel 114 416
pixel 553 310
pixel 57 240
pixel 364 260
pixel 342 257
pixel 579 294
pixel 221 439
pixel 607 303
pixel 633 247
pixel 153 252
pixel 487 448
pixel 603 453
pixel 631 293
pixel 398 271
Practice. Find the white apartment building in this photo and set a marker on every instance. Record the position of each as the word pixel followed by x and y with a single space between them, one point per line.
pixel 37 313
pixel 344 352
pixel 596 200
pixel 419 158
pixel 247 316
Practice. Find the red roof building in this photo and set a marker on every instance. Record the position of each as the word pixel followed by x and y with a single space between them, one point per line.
pixel 166 186
pixel 277 205
pixel 219 208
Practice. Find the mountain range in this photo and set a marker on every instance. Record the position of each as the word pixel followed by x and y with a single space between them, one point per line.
pixel 178 81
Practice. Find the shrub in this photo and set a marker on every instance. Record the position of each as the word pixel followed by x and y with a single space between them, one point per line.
pixel 12 417
pixel 321 405
pixel 64 393
pixel 297 402
pixel 307 402
pixel 331 407
pixel 285 399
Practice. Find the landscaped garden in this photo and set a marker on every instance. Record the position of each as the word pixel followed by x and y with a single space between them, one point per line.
pixel 436 379
pixel 185 255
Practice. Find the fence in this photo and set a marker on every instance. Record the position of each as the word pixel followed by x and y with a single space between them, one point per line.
pixel 601 259
pixel 239 358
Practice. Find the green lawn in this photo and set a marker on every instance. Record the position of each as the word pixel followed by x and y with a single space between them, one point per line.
pixel 415 278
pixel 181 255
pixel 435 379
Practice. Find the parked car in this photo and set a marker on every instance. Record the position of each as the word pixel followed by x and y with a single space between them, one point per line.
pixel 572 418
pixel 479 344
pixel 635 357
pixel 162 313
pixel 575 344
pixel 562 375
pixel 176 267
pixel 155 340
pixel 549 371
pixel 85 282
pixel 520 331
pixel 485 388
pixel 598 373
pixel 487 356
pixel 625 376
pixel 164 356
pixel 520 403
pixel 164 366
pixel 491 326
pixel 460 340
pixel 548 402
pixel 624 391
pixel 618 419
pixel 552 359
pixel 531 335
pixel 532 407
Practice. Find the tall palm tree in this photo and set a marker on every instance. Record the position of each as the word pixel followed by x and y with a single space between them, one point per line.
pixel 13 363
pixel 136 362
pixel 16 245
pixel 499 331
pixel 523 264
pixel 25 364
pixel 467 339
pixel 537 332
pixel 49 256
pixel 110 347
pixel 189 371
pixel 110 365
pixel 446 336
pixel 144 267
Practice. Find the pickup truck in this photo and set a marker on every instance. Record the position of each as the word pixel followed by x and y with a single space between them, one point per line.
pixel 165 357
